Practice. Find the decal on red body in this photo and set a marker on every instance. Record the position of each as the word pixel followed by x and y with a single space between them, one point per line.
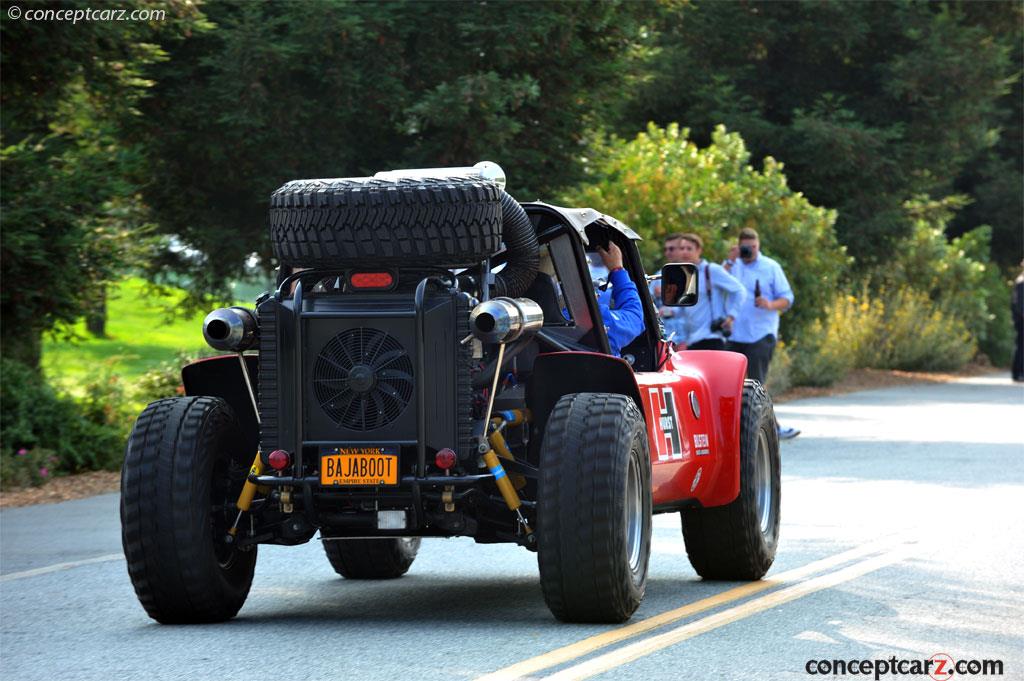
pixel 666 424
pixel 700 442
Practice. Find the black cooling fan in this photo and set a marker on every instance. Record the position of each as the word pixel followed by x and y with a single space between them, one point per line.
pixel 363 379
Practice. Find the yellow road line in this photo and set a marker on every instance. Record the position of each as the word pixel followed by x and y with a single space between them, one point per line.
pixel 634 651
pixel 589 645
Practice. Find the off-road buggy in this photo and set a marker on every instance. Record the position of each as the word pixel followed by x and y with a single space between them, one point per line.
pixel 434 363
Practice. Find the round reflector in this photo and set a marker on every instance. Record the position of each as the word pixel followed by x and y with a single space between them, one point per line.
pixel 278 459
pixel 445 459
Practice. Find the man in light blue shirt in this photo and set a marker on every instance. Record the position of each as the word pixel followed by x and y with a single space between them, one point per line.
pixel 675 330
pixel 756 330
pixel 706 325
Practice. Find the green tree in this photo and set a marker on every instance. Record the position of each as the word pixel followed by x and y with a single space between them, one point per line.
pixel 325 89
pixel 661 182
pixel 70 201
pixel 868 104
pixel 995 177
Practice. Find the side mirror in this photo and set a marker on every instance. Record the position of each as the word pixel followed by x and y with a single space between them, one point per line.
pixel 679 285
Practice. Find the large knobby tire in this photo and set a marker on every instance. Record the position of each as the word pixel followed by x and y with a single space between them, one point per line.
pixel 385 558
pixel 738 541
pixel 179 485
pixel 594 508
pixel 387 222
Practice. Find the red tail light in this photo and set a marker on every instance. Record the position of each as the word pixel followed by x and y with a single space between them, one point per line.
pixel 371 280
pixel 279 459
pixel 445 459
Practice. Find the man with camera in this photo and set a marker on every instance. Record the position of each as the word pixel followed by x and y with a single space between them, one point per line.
pixel 706 325
pixel 757 327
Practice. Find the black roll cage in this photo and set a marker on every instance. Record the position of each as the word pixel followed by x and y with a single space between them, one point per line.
pixel 552 222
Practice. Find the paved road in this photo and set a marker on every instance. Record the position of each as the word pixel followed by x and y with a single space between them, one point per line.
pixel 902 536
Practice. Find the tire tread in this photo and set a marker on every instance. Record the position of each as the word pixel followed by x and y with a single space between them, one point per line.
pixel 166 533
pixel 383 558
pixel 586 450
pixel 725 542
pixel 423 221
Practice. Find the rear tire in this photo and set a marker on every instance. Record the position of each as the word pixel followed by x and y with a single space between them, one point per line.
pixel 385 558
pixel 594 508
pixel 416 222
pixel 179 485
pixel 738 541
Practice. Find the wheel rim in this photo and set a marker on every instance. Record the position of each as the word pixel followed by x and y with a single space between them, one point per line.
pixel 634 515
pixel 222 514
pixel 763 483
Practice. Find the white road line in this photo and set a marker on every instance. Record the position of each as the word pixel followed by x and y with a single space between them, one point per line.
pixel 529 667
pixel 60 566
pixel 634 651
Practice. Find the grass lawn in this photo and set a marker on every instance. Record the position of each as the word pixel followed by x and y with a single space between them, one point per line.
pixel 143 331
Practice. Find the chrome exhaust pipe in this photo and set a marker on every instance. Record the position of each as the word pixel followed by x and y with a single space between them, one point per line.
pixel 231 328
pixel 503 320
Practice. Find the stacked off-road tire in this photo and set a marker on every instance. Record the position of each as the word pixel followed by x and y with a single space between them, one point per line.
pixel 445 221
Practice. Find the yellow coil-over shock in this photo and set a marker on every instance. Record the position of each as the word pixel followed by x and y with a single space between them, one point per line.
pixel 512 417
pixel 493 463
pixel 248 492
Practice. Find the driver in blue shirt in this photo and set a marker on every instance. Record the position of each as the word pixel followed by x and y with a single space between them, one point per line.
pixel 620 306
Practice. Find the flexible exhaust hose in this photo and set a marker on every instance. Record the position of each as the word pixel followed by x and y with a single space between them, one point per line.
pixel 523 250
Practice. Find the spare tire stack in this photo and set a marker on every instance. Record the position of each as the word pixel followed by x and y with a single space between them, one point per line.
pixel 443 221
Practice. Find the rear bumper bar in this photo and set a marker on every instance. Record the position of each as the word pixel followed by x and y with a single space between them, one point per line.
pixel 407 481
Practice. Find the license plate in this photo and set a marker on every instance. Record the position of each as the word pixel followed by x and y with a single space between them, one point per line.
pixel 359 466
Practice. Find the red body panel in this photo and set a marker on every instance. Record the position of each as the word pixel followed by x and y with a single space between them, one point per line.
pixel 694 451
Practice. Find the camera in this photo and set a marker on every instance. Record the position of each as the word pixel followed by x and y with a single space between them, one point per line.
pixel 746 252
pixel 717 325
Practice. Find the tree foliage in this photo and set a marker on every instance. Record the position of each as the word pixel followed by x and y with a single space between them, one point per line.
pixel 326 89
pixel 868 104
pixel 182 127
pixel 70 204
pixel 661 182
pixel 957 275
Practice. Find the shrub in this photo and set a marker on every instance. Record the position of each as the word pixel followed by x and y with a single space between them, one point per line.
pixel 104 399
pixel 27 467
pixel 918 335
pixel 901 330
pixel 820 360
pixel 841 340
pixel 34 417
pixel 165 379
pixel 660 182
pixel 956 274
pixel 779 378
